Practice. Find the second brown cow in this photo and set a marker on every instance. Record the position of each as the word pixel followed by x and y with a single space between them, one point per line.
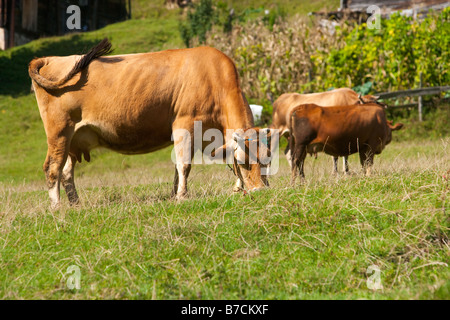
pixel 339 131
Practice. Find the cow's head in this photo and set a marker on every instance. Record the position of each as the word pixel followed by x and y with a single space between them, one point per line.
pixel 248 152
pixel 371 99
pixel 368 98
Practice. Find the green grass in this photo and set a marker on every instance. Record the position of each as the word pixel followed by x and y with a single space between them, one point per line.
pixel 130 240
pixel 290 7
pixel 312 241
pixel 143 9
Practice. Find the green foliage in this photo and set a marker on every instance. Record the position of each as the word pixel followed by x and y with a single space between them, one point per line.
pixel 393 56
pixel 273 16
pixel 301 55
pixel 364 88
pixel 200 19
pixel 435 124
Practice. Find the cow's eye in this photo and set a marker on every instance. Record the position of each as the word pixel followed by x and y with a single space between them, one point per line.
pixel 264 141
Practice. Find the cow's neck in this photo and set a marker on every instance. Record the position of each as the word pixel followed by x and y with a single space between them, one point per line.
pixel 240 119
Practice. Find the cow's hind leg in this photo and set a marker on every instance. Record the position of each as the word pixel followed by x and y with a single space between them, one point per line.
pixel 298 162
pixel 288 154
pixel 67 180
pixel 298 159
pixel 57 152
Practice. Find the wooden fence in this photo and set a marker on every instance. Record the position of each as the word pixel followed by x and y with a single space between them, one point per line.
pixel 413 93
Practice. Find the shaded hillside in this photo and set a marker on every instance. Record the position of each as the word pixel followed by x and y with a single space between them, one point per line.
pixel 127 37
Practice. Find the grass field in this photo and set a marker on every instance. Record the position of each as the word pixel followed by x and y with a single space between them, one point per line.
pixel 130 240
pixel 311 241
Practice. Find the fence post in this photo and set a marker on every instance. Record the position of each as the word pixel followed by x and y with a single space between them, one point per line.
pixel 420 99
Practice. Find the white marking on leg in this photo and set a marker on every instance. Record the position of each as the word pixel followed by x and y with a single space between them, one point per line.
pixel 54 196
pixel 289 157
pixel 68 181
pixel 181 178
pixel 182 183
pixel 67 170
pixel 345 164
pixel 239 185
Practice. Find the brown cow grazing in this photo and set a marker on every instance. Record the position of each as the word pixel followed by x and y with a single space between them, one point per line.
pixel 132 104
pixel 339 131
pixel 283 106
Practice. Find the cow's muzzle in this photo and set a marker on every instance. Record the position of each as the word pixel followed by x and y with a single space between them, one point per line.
pixel 256 189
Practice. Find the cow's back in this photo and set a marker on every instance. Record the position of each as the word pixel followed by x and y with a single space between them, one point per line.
pixel 129 103
pixel 185 80
pixel 284 105
pixel 342 130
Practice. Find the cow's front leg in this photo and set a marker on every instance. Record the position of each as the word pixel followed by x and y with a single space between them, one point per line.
pixel 335 165
pixel 183 173
pixel 345 164
pixel 183 146
pixel 238 186
pixel 67 180
pixel 366 158
pixel 175 183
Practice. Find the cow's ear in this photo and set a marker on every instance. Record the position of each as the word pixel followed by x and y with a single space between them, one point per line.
pixel 225 151
pixel 368 98
pixel 398 126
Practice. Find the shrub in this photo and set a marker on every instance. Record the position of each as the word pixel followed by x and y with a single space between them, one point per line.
pixel 200 19
pixel 301 55
pixel 392 57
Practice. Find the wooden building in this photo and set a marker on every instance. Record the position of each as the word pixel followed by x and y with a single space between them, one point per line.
pixel 357 9
pixel 24 20
pixel 387 6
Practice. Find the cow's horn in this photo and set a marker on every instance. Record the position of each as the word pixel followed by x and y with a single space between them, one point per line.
pixel 361 99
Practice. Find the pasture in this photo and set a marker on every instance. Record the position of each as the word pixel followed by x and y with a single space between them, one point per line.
pixel 319 239
pixel 314 240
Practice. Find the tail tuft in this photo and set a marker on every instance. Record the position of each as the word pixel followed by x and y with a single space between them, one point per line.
pixel 103 48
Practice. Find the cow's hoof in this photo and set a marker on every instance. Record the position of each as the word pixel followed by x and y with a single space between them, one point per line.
pixel 75 203
pixel 55 206
pixel 237 189
pixel 181 197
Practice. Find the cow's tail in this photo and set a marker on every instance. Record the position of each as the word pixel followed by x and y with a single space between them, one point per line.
pixel 103 48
